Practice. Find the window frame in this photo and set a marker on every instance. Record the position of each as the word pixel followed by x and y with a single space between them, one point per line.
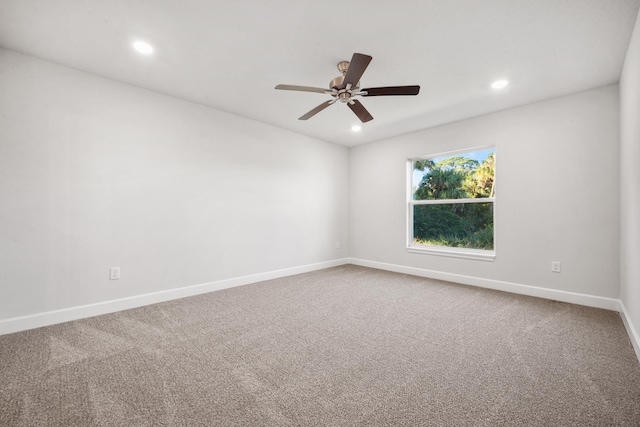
pixel 448 251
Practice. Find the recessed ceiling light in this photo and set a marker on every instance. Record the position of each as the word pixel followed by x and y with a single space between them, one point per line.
pixel 356 128
pixel 143 47
pixel 500 84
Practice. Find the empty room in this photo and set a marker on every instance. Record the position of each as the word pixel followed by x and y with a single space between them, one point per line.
pixel 280 213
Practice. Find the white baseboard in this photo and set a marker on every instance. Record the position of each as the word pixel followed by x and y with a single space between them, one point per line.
pixel 552 294
pixel 22 323
pixel 631 330
pixel 17 324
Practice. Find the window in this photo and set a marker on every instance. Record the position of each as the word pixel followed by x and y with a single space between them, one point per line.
pixel 451 203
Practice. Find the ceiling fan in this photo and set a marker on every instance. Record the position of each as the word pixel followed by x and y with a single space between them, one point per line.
pixel 346 87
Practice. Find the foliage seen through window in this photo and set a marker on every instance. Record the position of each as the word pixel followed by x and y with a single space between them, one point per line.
pixel 452 200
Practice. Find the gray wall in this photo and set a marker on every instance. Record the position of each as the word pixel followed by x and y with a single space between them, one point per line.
pixel 95 173
pixel 557 194
pixel 630 182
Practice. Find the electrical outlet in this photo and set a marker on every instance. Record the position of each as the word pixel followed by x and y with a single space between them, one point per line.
pixel 556 266
pixel 114 273
pixel 337 245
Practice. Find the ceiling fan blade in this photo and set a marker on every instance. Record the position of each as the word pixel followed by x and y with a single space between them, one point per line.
pixel 357 66
pixel 316 110
pixel 359 110
pixel 391 90
pixel 303 88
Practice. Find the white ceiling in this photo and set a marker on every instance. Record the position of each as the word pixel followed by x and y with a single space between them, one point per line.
pixel 230 55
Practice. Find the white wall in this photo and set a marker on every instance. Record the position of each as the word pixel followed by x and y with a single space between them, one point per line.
pixel 630 183
pixel 95 173
pixel 557 194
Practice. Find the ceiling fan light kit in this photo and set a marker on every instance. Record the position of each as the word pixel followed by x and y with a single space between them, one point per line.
pixel 346 87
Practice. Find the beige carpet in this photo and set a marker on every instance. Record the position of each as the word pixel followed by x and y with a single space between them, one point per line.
pixel 347 346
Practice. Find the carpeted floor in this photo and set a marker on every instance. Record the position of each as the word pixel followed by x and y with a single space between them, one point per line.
pixel 346 346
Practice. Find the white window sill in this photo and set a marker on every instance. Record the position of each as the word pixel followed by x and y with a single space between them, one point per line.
pixel 477 254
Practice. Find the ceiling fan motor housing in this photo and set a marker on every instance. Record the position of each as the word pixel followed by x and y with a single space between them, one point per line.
pixel 338 82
